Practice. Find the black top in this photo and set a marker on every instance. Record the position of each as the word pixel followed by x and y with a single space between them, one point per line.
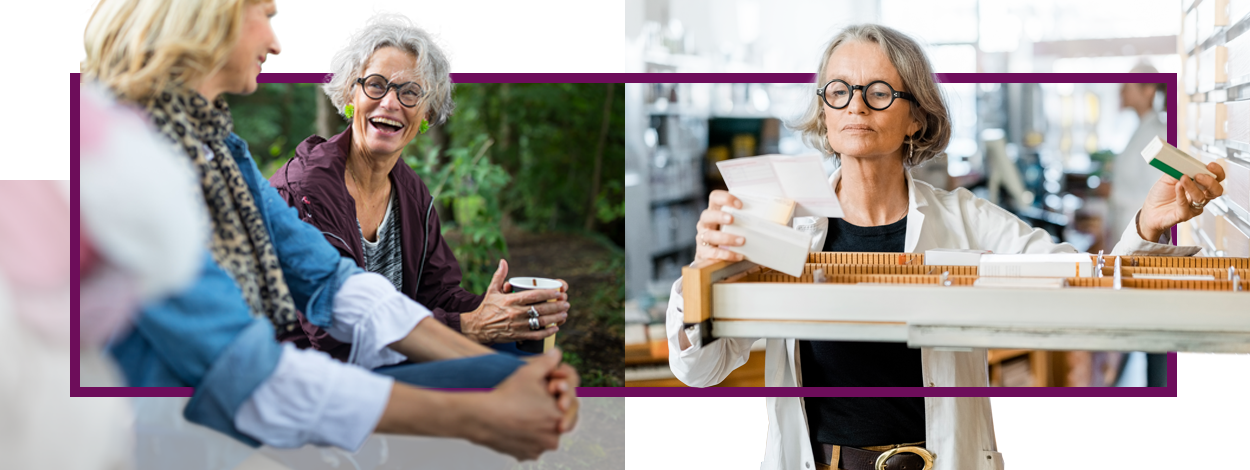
pixel 859 422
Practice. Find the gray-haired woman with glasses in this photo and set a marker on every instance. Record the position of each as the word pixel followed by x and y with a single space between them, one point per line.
pixel 392 83
pixel 899 121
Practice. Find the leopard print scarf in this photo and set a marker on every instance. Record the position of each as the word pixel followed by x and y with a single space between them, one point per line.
pixel 240 242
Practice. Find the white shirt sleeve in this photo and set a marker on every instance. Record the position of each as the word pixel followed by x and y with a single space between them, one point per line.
pixel 370 314
pixel 314 399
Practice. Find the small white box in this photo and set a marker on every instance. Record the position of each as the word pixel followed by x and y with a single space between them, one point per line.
pixel 777 210
pixel 1036 265
pixel 773 245
pixel 953 257
pixel 1172 161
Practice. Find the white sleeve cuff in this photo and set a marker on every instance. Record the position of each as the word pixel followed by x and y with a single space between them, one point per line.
pixel 370 314
pixel 314 399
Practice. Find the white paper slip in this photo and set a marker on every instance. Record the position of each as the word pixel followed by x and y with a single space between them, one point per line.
pixel 1172 161
pixel 1175 277
pixel 1022 282
pixel 953 257
pixel 801 179
pixel 1036 265
pixel 777 210
pixel 773 245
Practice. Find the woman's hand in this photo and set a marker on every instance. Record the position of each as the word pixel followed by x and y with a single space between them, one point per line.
pixel 1172 201
pixel 504 317
pixel 562 384
pixel 520 417
pixel 710 238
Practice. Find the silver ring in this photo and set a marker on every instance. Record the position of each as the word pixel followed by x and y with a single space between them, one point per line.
pixel 533 312
pixel 1198 205
pixel 534 325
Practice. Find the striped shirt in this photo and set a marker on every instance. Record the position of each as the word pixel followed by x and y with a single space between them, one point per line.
pixel 385 255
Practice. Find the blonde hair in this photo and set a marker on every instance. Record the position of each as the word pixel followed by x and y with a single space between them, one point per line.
pixel 137 47
pixel 392 30
pixel 913 66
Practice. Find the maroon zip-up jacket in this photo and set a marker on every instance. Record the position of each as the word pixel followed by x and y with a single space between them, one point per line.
pixel 313 183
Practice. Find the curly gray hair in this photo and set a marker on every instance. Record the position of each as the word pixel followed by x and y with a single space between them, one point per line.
pixel 913 66
pixel 383 30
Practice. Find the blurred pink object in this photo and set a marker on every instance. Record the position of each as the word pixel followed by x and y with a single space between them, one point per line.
pixel 34 224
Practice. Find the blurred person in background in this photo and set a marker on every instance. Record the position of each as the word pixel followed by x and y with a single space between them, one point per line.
pixel 126 256
pixel 176 61
pixel 392 82
pixel 878 111
pixel 1132 178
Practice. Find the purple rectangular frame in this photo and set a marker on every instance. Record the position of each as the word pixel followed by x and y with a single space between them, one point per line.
pixel 1167 78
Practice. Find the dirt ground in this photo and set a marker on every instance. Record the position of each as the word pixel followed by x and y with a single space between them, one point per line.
pixel 595 330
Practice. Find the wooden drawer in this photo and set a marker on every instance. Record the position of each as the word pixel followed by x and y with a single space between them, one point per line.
pixel 1211 13
pixel 1192 120
pixel 1239 59
pixel 1238 184
pixel 1237 124
pixel 1212 68
pixel 1191 74
pixel 1235 241
pixel 1212 122
pixel 1189 29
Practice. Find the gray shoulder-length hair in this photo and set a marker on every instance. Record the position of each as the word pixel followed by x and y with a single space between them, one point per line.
pixel 397 31
pixel 912 64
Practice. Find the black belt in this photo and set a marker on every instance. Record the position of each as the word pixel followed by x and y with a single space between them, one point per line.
pixel 859 459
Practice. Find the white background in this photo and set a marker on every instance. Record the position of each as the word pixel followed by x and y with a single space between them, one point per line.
pixel 1207 421
pixel 43 45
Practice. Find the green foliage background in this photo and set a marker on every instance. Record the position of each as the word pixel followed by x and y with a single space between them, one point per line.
pixel 536 171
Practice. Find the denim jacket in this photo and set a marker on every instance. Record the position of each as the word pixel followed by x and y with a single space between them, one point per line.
pixel 206 337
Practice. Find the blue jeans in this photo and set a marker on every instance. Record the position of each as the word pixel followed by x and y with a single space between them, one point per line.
pixel 471 373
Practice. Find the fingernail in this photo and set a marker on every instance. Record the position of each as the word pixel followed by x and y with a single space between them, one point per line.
pixel 724 219
pixel 739 240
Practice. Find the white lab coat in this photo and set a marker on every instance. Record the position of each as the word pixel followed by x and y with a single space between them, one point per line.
pixel 1131 176
pixel 959 431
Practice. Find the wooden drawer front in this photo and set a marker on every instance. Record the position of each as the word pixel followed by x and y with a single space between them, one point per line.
pixel 1208 19
pixel 1239 59
pixel 1236 242
pixel 1191 74
pixel 1192 119
pixel 1211 68
pixel 1189 29
pixel 1208 221
pixel 1238 184
pixel 1237 125
pixel 1211 122
pixel 1237 9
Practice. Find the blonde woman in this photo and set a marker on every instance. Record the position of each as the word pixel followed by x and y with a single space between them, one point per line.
pixel 877 109
pixel 177 60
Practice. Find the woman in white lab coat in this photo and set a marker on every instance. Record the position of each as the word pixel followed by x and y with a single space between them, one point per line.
pixel 879 111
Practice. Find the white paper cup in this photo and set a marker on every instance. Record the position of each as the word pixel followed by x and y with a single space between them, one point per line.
pixel 531 283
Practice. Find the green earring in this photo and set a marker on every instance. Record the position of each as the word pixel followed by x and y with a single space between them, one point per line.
pixel 349 110
pixel 425 126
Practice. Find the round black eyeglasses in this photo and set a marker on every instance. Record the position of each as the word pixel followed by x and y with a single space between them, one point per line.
pixel 376 86
pixel 878 95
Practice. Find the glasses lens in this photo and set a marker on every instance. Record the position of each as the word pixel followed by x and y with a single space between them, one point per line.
pixel 375 87
pixel 879 95
pixel 837 94
pixel 409 94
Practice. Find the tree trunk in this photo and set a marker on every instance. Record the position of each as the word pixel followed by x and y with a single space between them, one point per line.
pixel 594 179
pixel 325 116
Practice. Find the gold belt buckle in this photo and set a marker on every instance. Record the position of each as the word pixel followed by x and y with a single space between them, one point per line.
pixel 921 451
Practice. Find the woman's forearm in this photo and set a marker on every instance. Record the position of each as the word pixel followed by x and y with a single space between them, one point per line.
pixel 414 411
pixel 431 341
